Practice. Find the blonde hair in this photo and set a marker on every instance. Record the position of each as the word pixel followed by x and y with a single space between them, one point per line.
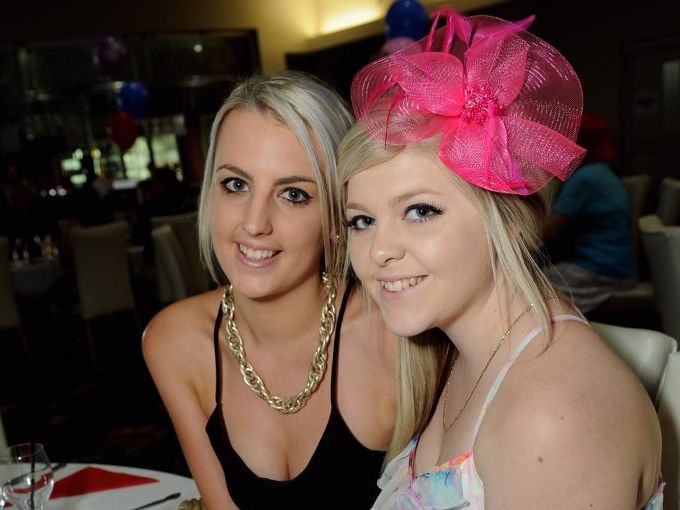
pixel 317 116
pixel 513 226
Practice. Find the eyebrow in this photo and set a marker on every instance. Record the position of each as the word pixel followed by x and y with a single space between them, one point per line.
pixel 398 200
pixel 291 179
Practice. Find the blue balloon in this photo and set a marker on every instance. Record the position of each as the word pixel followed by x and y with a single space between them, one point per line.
pixel 406 18
pixel 133 99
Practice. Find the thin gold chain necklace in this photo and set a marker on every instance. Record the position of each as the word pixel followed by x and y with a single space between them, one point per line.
pixel 317 369
pixel 453 365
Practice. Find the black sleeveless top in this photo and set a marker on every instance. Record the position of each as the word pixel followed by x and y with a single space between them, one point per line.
pixel 342 473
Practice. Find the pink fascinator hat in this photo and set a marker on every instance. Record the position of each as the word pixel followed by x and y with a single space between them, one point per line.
pixel 506 104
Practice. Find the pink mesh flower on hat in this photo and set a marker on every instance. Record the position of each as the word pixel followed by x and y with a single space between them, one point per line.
pixel 506 104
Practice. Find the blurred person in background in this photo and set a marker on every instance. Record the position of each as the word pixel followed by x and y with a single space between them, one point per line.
pixel 588 232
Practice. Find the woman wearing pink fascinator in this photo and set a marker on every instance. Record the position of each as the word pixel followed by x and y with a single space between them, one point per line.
pixel 508 398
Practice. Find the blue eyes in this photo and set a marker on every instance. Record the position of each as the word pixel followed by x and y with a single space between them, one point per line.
pixel 359 222
pixel 417 213
pixel 234 185
pixel 422 212
pixel 295 196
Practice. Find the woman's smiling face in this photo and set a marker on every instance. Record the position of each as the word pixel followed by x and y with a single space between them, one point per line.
pixel 417 242
pixel 264 213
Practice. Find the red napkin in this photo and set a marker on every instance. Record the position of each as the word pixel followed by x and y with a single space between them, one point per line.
pixel 94 479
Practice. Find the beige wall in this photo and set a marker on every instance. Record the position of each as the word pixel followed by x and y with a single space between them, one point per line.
pixel 282 25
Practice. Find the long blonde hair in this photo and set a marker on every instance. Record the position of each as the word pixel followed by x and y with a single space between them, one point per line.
pixel 513 226
pixel 317 116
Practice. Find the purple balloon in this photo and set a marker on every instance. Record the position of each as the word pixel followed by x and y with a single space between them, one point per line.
pixel 112 53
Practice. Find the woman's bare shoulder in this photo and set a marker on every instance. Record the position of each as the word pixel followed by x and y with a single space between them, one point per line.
pixel 183 326
pixel 578 373
pixel 567 412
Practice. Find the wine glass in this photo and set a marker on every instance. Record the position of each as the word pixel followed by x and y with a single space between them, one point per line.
pixel 26 478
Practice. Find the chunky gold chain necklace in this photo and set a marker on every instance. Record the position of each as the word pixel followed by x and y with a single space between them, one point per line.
pixel 317 369
pixel 453 365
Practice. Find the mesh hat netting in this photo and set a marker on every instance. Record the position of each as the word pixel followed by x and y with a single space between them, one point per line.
pixel 506 104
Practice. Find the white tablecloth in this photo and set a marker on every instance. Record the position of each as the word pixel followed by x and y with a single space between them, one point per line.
pixel 128 497
pixel 34 278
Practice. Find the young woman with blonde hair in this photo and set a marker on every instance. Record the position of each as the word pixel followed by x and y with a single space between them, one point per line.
pixel 281 322
pixel 512 401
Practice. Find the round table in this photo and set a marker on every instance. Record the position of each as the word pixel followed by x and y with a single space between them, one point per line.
pixel 128 497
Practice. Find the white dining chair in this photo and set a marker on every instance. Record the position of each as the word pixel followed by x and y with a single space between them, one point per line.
pixel 171 264
pixel 102 273
pixel 669 418
pixel 662 244
pixel 638 187
pixel 640 296
pixel 644 351
pixel 668 207
pixel 185 227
